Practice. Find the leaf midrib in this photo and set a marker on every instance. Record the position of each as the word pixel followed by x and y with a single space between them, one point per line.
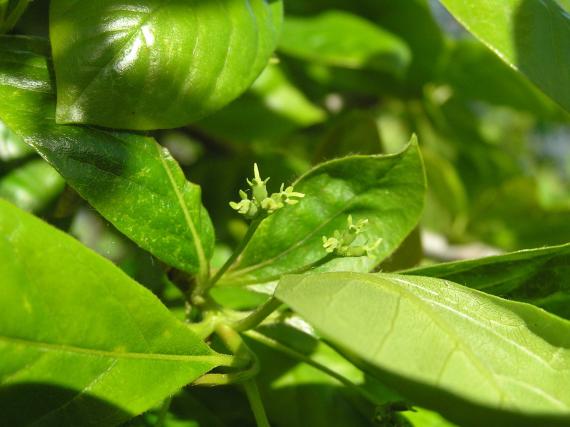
pixel 202 262
pixel 214 358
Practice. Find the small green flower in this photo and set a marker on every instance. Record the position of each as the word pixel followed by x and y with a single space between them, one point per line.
pixel 261 204
pixel 258 185
pixel 245 206
pixel 340 244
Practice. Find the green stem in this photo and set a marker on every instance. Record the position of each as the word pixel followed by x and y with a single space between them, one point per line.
pixel 234 342
pixel 300 270
pixel 206 327
pixel 13 18
pixel 258 316
pixel 163 412
pixel 276 345
pixel 3 8
pixel 256 403
pixel 250 232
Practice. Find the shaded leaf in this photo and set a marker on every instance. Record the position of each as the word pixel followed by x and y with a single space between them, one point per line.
pixel 297 394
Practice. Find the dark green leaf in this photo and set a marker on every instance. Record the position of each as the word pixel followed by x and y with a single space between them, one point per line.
pixel 159 63
pixel 538 276
pixel 531 36
pixel 387 190
pixel 80 342
pixel 475 357
pixel 128 178
pixel 341 39
pixel 33 186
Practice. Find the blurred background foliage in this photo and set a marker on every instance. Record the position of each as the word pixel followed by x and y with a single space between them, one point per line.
pixel 350 77
pixel 360 77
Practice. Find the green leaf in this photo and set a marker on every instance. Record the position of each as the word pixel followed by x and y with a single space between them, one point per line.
pixel 129 179
pixel 272 108
pixel 355 132
pixel 512 217
pixel 476 73
pixel 342 39
pixel 411 20
pixel 387 190
pixel 537 276
pixel 80 342
pixel 157 64
pixel 12 147
pixel 33 186
pixel 531 36
pixel 473 357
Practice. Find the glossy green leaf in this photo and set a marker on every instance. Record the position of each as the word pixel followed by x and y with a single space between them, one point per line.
pixel 341 39
pixel 80 342
pixel 158 63
pixel 531 36
pixel 33 186
pixel 538 276
pixel 475 357
pixel 128 178
pixel 387 190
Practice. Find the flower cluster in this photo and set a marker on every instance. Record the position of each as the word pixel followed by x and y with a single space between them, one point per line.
pixel 341 244
pixel 261 203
